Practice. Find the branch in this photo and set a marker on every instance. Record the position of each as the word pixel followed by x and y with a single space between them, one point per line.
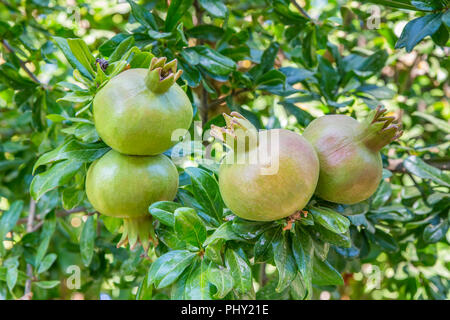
pixel 302 11
pixel 22 63
pixel 62 213
pixel 30 221
pixel 396 165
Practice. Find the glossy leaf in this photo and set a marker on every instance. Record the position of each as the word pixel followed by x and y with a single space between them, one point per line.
pixel 330 219
pixel 56 176
pixel 240 270
pixel 206 191
pixel 167 268
pixel 189 227
pixel 87 240
pixel 164 211
pixel 418 167
pixel 418 29
pixel 221 279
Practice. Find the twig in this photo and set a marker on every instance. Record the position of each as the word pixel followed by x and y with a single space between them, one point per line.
pixel 302 11
pixel 30 221
pixel 62 213
pixel 22 63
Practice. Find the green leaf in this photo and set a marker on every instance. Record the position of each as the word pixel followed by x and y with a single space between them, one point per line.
pixel 78 54
pixel 284 261
pixel 240 270
pixel 419 168
pixel 446 18
pixel 47 262
pixel 303 251
pixel 170 239
pixel 221 278
pixel 9 219
pixel 87 240
pixel 164 211
pixel 142 15
pixel 428 5
pixel 212 61
pixel 11 277
pixel 121 49
pixel 418 29
pixel 272 77
pixel 206 191
pixel 176 11
pixel 145 291
pixel 47 232
pixel 330 219
pixel 263 246
pixel 385 241
pixel 225 231
pixel 167 268
pixel 189 227
pixel 73 150
pixel 440 124
pixel 58 175
pixel 324 274
pixel 71 198
pixel 197 284
pixel 213 251
pixel 309 47
pixel 441 36
pixel 435 232
pixel 401 4
pixel 249 229
pixel 338 239
pixel 267 60
pixel 329 78
pixel 382 195
pixel 47 284
pixel 216 8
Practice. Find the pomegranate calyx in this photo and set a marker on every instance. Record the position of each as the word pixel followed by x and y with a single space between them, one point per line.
pixel 138 230
pixel 378 130
pixel 161 75
pixel 239 133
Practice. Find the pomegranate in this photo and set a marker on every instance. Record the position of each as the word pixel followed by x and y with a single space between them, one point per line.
pixel 267 175
pixel 350 161
pixel 137 111
pixel 123 186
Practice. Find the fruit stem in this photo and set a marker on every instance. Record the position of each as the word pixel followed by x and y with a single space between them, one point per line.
pixel 138 230
pixel 378 130
pixel 238 134
pixel 161 75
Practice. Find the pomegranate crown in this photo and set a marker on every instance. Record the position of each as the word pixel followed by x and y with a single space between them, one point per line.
pixel 237 130
pixel 161 75
pixel 380 129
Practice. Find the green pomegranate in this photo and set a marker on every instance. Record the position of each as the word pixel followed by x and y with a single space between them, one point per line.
pixel 267 175
pixel 123 186
pixel 139 109
pixel 350 161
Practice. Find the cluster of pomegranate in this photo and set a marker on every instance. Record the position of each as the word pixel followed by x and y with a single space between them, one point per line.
pixel 337 158
pixel 267 175
pixel 135 114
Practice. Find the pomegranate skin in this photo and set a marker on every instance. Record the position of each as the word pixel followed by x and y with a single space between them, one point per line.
pixel 350 170
pixel 268 197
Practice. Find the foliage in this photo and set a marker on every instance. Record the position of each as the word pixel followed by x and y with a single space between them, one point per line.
pixel 280 67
